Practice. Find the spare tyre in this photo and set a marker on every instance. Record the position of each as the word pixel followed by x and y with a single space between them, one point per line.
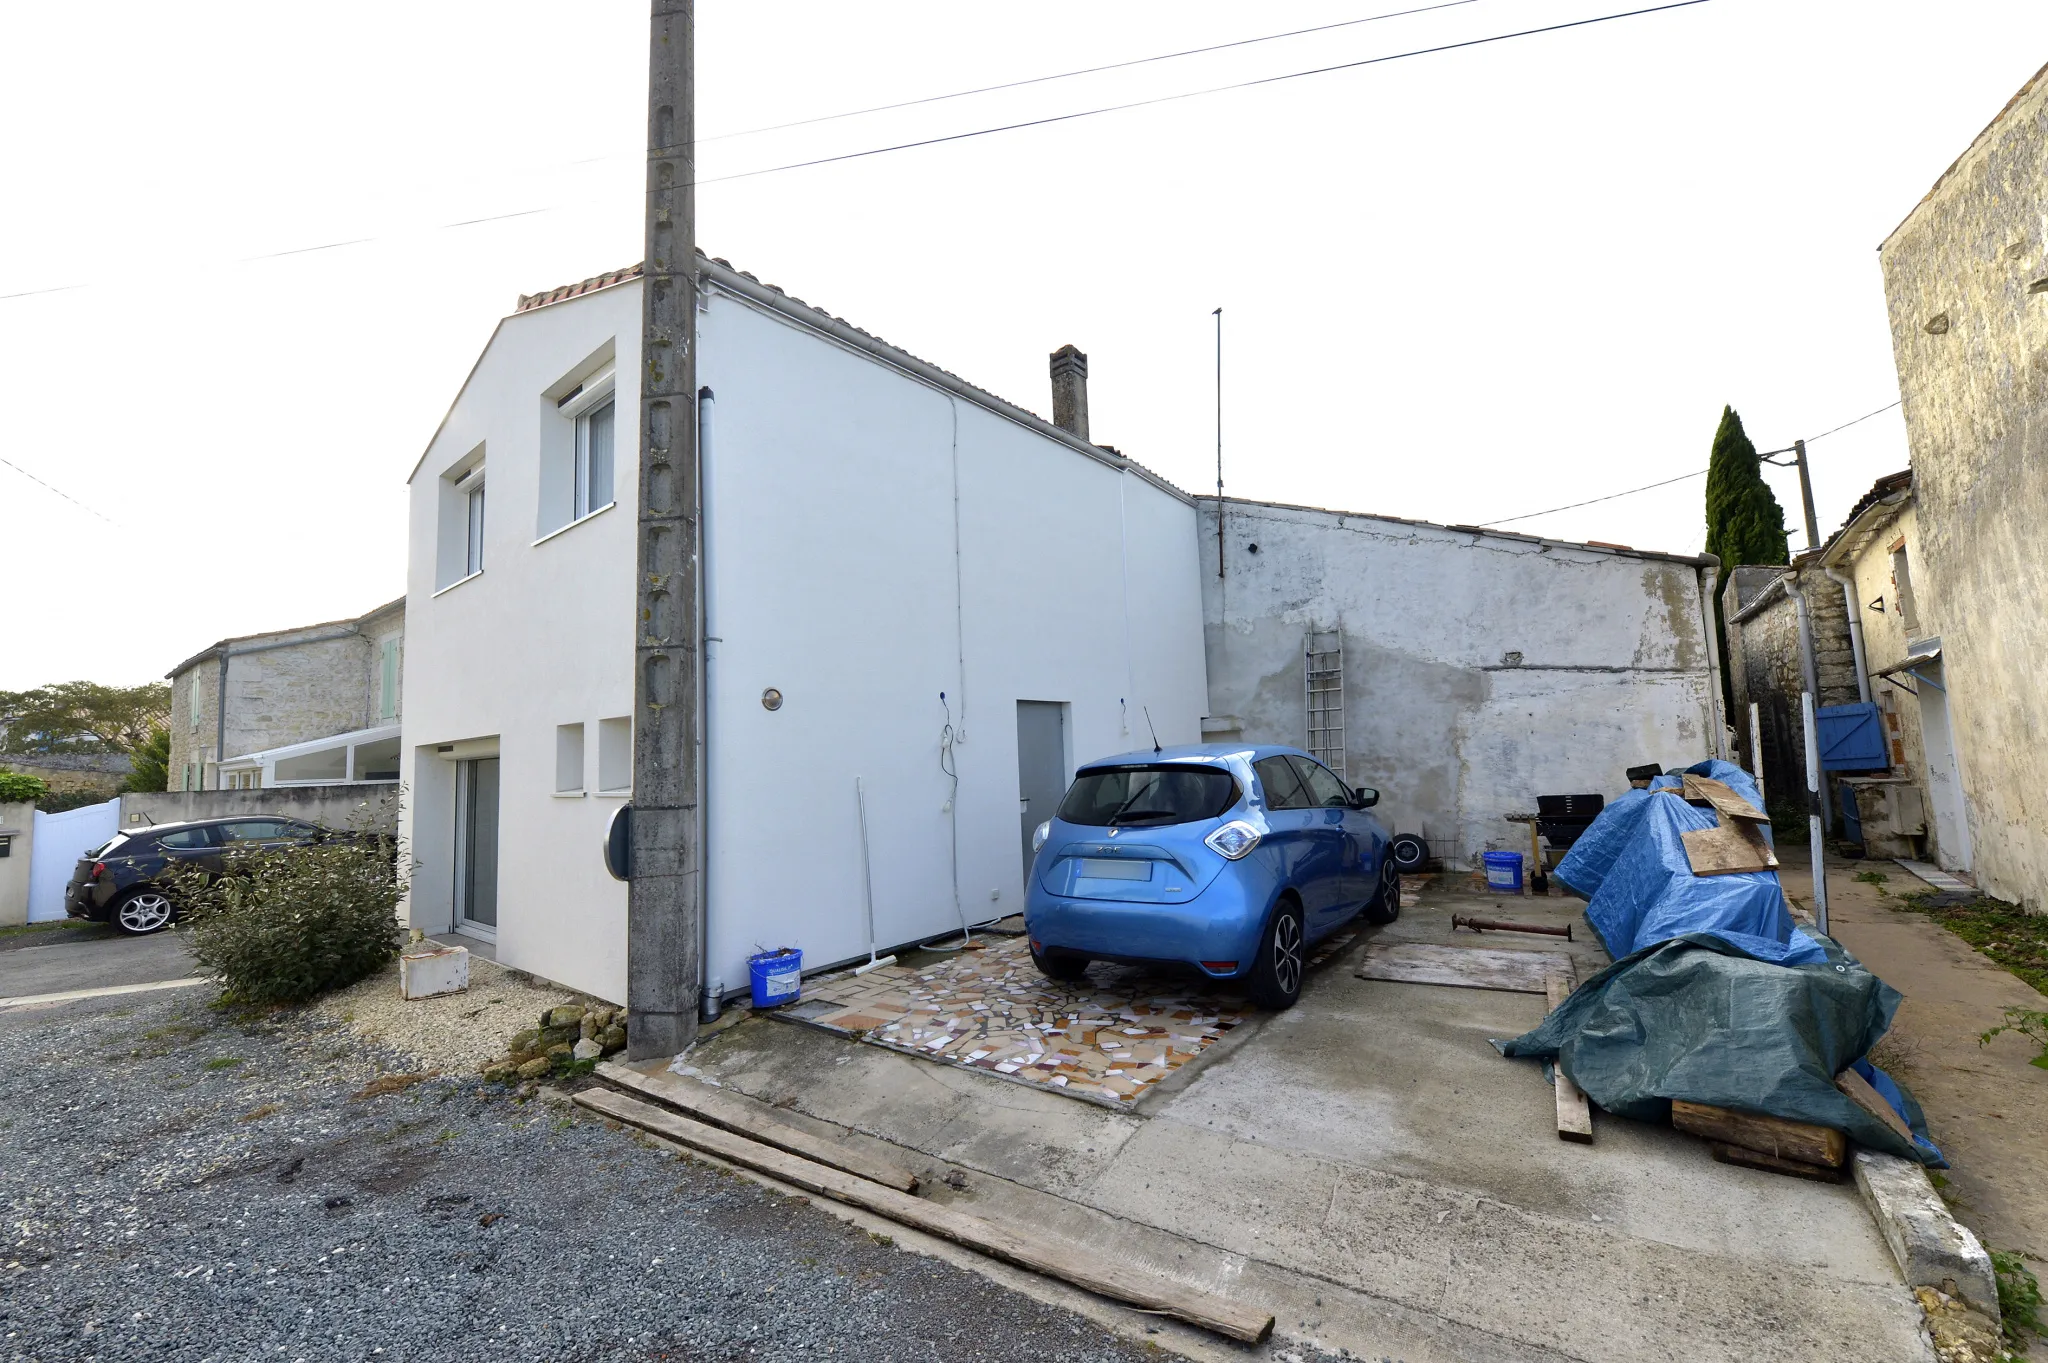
pixel 1409 852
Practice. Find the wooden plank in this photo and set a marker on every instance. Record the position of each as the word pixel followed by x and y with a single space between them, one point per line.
pixel 1727 849
pixel 1722 796
pixel 748 1117
pixel 1574 1113
pixel 1857 1090
pixel 1770 1135
pixel 1521 972
pixel 1757 1159
pixel 1069 1263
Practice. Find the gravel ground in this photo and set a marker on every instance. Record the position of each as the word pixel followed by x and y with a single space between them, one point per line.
pixel 181 1184
pixel 454 1033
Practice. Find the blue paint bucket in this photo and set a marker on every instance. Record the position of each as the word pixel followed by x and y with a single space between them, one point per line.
pixel 777 976
pixel 1504 871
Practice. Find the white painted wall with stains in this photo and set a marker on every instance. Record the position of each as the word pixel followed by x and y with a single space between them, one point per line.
pixel 1480 669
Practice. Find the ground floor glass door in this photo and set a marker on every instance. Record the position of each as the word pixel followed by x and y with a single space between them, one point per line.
pixel 476 846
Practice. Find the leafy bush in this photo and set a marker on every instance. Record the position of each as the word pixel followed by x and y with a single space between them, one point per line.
pixel 57 801
pixel 17 788
pixel 2019 1298
pixel 2031 1023
pixel 282 925
pixel 152 763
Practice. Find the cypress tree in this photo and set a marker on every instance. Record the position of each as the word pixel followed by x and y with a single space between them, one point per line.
pixel 1745 524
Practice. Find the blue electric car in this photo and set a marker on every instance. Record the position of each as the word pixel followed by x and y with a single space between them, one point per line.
pixel 1228 858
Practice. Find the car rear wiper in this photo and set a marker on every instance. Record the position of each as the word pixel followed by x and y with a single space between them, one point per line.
pixel 1148 815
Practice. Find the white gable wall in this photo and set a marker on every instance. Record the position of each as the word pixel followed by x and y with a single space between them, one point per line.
pixel 542 637
pixel 835 580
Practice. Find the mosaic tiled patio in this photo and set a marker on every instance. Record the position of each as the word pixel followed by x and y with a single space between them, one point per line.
pixel 1108 1038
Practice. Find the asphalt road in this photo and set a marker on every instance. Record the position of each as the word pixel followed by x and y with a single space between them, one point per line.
pixel 182 1184
pixel 88 956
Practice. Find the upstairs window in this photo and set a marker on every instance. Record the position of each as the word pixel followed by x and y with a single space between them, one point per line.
pixel 578 437
pixel 459 547
pixel 594 459
pixel 387 679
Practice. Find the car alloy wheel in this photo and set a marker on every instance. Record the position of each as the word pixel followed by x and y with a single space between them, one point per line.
pixel 145 911
pixel 1287 953
pixel 1385 906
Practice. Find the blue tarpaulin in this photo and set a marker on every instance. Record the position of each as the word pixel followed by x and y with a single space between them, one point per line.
pixel 1640 890
pixel 1715 995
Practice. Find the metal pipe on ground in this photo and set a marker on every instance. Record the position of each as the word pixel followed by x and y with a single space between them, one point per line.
pixel 1459 920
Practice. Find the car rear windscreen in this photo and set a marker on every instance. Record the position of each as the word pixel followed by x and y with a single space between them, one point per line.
pixel 1152 796
pixel 107 849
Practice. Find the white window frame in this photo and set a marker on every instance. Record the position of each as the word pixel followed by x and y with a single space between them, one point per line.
pixel 595 392
pixel 470 487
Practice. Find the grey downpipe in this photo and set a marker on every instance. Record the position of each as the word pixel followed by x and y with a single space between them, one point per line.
pixel 1811 676
pixel 1850 604
pixel 1710 583
pixel 708 989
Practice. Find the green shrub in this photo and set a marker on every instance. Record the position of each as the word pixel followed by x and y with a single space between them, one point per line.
pixel 283 925
pixel 57 801
pixel 2031 1023
pixel 152 763
pixel 2019 1298
pixel 16 788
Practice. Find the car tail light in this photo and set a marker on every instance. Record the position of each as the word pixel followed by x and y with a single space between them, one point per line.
pixel 1219 966
pixel 1234 840
pixel 99 868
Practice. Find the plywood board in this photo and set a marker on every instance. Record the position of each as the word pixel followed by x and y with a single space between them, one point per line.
pixel 1727 849
pixel 1574 1113
pixel 1857 1090
pixel 1521 972
pixel 749 1117
pixel 1020 1245
pixel 1722 796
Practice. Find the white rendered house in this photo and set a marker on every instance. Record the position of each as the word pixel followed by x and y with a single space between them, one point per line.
pixel 917 595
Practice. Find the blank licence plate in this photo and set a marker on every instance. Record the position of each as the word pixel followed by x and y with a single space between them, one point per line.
pixel 1097 868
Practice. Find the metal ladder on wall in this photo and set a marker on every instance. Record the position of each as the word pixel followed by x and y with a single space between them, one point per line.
pixel 1324 669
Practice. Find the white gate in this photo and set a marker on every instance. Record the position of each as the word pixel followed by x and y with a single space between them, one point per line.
pixel 60 840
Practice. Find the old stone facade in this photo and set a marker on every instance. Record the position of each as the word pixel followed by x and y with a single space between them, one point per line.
pixel 74 773
pixel 289 686
pixel 1766 666
pixel 1966 286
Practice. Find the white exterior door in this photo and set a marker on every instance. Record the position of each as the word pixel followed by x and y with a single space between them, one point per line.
pixel 1944 777
pixel 60 840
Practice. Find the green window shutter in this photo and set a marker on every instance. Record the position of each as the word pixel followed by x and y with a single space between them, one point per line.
pixel 387 689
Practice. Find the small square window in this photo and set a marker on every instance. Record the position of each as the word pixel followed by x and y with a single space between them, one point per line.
pixel 568 758
pixel 615 753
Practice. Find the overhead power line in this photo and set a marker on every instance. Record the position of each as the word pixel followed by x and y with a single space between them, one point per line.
pixel 1196 94
pixel 1083 71
pixel 1028 123
pixel 57 491
pixel 1847 424
pixel 1532 515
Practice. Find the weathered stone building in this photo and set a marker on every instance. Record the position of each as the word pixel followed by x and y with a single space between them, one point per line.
pixel 286 687
pixel 1767 666
pixel 1966 286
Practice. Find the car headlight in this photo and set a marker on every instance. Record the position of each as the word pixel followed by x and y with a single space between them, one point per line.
pixel 1234 840
pixel 1040 834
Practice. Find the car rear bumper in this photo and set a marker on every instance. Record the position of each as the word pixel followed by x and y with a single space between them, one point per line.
pixel 1222 924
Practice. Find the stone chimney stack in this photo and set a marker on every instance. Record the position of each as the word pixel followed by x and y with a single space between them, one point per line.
pixel 1070 391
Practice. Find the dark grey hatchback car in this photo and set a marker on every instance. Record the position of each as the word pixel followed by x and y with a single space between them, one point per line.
pixel 117 882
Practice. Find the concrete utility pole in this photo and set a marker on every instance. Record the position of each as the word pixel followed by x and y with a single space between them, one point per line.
pixel 1797 449
pixel 664 904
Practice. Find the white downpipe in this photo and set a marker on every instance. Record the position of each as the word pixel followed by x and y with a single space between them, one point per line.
pixel 1814 806
pixel 708 989
pixel 1710 582
pixel 1850 604
pixel 1756 752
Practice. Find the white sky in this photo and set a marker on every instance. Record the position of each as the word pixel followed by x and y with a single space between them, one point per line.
pixel 1458 287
